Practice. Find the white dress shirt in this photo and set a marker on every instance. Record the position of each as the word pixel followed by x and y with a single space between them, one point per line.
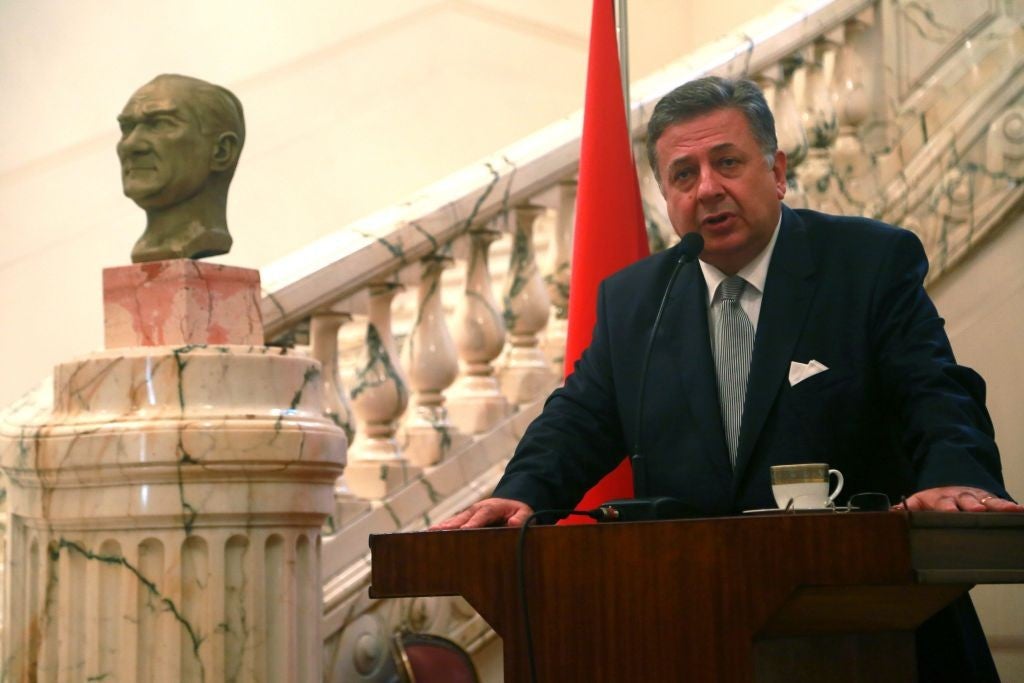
pixel 755 273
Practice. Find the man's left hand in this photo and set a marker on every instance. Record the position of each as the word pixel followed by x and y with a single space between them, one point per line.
pixel 957 498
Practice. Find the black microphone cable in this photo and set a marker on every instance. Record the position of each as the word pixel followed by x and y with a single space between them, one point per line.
pixel 521 561
pixel 690 246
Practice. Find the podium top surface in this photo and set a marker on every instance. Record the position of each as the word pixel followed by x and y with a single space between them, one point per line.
pixel 939 547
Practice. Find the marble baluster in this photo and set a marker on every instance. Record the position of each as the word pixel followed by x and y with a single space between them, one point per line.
pixel 475 401
pixel 660 233
pixel 854 168
pixel 768 80
pixel 821 127
pixel 433 364
pixel 377 466
pixel 789 127
pixel 559 278
pixel 526 374
pixel 323 333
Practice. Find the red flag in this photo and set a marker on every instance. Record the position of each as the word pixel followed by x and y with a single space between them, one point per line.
pixel 609 232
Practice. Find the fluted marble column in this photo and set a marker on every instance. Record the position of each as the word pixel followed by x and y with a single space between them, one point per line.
pixel 165 518
pixel 377 466
pixel 525 375
pixel 475 402
pixel 433 364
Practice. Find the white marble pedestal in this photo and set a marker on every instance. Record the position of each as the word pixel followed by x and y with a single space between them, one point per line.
pixel 165 517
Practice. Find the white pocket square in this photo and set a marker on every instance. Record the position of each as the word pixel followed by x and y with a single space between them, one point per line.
pixel 798 372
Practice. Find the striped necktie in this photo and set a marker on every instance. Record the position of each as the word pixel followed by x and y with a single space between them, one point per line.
pixel 732 342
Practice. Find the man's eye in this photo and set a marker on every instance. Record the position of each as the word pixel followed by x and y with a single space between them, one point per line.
pixel 729 162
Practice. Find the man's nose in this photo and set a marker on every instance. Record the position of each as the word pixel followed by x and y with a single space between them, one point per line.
pixel 709 187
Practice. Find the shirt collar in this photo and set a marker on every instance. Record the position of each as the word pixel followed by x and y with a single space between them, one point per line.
pixel 755 272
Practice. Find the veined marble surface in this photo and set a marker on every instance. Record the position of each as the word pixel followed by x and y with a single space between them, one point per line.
pixel 221 407
pixel 165 515
pixel 180 301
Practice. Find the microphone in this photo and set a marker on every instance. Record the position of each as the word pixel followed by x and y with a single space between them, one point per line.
pixel 643 510
pixel 689 248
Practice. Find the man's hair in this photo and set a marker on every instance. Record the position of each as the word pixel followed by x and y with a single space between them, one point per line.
pixel 706 95
pixel 216 108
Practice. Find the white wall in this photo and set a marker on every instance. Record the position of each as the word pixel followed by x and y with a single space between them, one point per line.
pixel 351 107
pixel 983 303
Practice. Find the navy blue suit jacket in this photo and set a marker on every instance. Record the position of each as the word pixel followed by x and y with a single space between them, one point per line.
pixel 894 412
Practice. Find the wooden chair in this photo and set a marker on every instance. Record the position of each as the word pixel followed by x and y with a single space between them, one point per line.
pixel 427 658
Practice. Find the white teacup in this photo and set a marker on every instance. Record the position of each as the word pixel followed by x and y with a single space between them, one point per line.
pixel 806 485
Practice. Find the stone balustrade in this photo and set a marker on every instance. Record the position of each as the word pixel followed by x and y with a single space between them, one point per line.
pixel 433 385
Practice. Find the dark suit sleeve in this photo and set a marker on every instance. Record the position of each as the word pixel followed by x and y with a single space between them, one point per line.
pixel 943 424
pixel 577 439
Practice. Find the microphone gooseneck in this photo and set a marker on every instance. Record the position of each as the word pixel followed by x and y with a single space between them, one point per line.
pixel 689 248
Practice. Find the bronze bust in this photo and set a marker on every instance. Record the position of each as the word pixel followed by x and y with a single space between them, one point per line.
pixel 180 142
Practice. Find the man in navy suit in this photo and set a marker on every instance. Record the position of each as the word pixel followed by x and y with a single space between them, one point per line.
pixel 891 409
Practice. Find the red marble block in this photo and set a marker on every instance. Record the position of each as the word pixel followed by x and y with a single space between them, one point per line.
pixel 179 302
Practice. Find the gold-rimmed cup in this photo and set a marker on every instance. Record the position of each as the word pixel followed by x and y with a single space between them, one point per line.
pixel 805 486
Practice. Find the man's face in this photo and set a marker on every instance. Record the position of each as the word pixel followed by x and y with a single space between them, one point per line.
pixel 165 158
pixel 716 182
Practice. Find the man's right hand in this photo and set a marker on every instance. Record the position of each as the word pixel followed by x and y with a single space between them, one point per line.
pixel 488 512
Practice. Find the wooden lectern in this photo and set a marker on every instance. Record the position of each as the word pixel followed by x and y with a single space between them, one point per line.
pixel 783 597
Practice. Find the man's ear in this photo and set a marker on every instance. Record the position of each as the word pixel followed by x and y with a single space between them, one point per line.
pixel 779 171
pixel 225 152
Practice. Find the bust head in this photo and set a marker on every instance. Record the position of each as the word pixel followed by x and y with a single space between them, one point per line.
pixel 180 142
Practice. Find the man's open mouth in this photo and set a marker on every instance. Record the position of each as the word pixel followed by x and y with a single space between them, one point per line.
pixel 717 218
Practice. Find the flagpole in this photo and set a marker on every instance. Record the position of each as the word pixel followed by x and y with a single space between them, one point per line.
pixel 623 31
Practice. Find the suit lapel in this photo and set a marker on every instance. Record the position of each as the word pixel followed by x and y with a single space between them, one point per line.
pixel 691 355
pixel 788 291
